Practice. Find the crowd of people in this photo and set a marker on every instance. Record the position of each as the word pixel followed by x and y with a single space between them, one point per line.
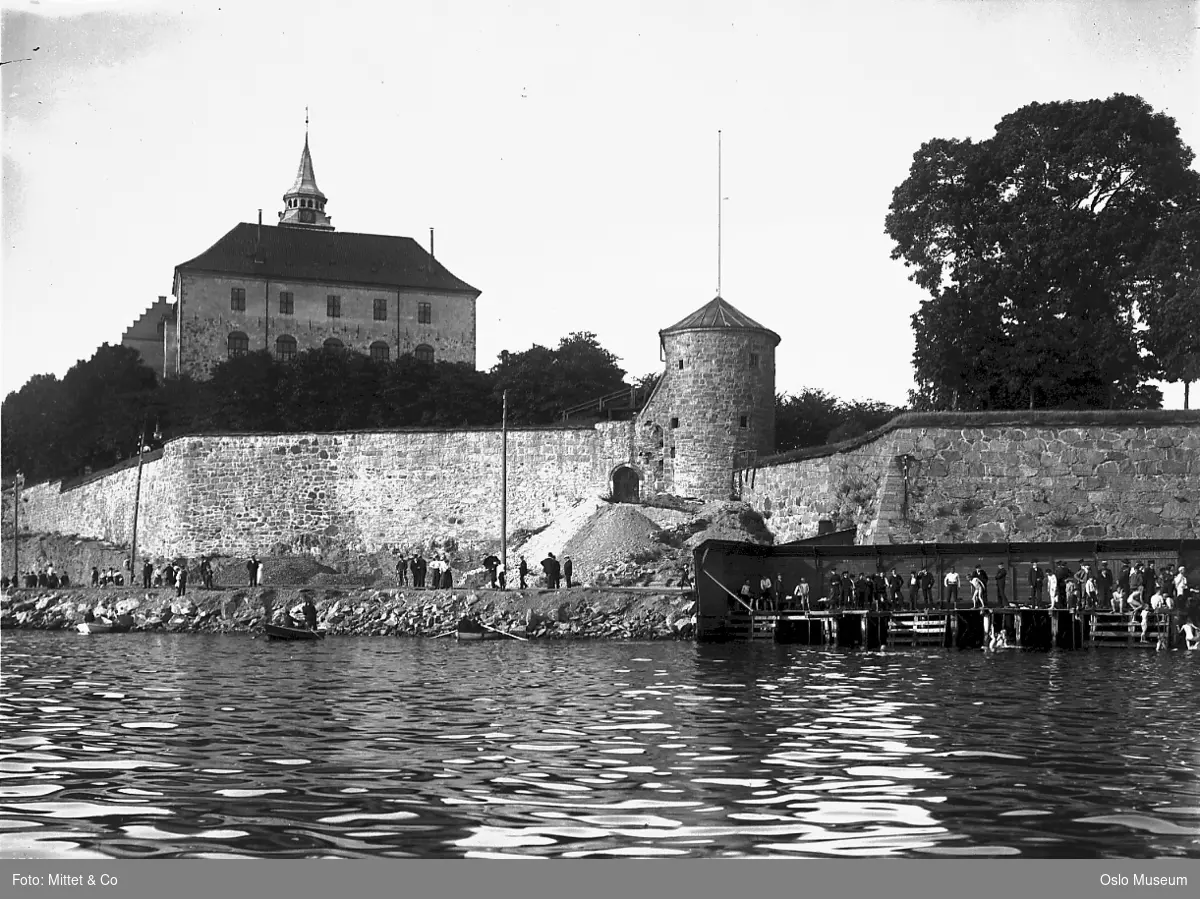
pixel 1137 587
pixel 47 577
pixel 437 573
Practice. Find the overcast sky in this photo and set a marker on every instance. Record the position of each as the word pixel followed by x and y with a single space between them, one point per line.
pixel 565 153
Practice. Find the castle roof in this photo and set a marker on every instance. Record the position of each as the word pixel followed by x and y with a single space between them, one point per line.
pixel 326 256
pixel 717 314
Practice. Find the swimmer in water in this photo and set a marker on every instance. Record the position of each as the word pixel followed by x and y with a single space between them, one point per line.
pixel 1191 633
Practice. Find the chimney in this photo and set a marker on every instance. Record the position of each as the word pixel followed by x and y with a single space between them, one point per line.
pixel 431 243
pixel 260 226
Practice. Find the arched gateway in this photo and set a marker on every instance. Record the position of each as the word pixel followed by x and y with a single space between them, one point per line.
pixel 626 485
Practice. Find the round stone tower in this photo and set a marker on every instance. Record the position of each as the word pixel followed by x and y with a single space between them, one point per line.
pixel 713 412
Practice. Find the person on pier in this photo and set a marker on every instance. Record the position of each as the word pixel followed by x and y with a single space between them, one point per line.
pixel 951 582
pixel 926 587
pixel 977 590
pixel 766 593
pixel 835 589
pixel 1052 587
pixel 800 595
pixel 1037 580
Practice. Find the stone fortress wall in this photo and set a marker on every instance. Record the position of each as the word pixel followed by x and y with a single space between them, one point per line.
pixel 1018 478
pixel 359 491
pixel 1015 477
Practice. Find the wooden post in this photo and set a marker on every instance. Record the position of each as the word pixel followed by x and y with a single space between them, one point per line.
pixel 503 475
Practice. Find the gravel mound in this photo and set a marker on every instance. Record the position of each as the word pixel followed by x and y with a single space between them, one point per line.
pixel 613 533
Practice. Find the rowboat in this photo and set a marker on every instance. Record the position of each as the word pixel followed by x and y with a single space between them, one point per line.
pixel 279 632
pixel 104 626
pixel 470 629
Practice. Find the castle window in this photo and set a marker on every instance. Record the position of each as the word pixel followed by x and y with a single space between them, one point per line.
pixel 424 313
pixel 672 452
pixel 333 306
pixel 380 309
pixel 681 365
pixel 333 344
pixel 285 348
pixel 287 303
pixel 674 422
pixel 239 344
pixel 743 421
pixel 753 363
pixel 380 351
pixel 424 353
pixel 237 299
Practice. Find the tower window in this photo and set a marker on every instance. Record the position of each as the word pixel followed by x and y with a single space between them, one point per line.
pixel 287 303
pixel 285 348
pixel 674 422
pixel 672 452
pixel 743 421
pixel 380 310
pixel 333 306
pixel 424 353
pixel 424 313
pixel 239 344
pixel 380 351
pixel 681 365
pixel 237 299
pixel 754 360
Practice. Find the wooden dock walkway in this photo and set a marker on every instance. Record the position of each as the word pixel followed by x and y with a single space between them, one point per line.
pixel 1024 628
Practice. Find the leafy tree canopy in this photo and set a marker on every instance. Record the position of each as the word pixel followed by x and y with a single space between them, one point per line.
pixel 1045 250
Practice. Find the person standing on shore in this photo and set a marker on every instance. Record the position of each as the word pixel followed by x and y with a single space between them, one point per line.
pixel 251 569
pixel 491 563
pixel 181 580
pixel 523 571
pixel 567 569
pixel 147 575
pixel 402 571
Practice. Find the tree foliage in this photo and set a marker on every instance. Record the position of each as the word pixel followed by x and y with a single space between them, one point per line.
pixel 1043 250
pixel 93 417
pixel 816 418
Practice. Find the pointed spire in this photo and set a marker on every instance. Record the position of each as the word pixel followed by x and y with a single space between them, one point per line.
pixel 304 204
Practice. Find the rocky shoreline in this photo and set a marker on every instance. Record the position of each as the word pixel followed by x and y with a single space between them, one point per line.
pixel 579 613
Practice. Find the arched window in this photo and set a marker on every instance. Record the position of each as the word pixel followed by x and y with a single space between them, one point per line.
pixel 239 344
pixel 380 351
pixel 334 344
pixel 285 348
pixel 424 353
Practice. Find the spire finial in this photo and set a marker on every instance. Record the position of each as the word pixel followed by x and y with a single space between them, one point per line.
pixel 306 123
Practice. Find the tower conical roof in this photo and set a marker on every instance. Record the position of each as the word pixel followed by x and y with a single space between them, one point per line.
pixel 716 314
pixel 306 179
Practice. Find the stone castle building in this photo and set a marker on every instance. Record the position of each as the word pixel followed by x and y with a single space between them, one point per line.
pixel 713 411
pixel 302 285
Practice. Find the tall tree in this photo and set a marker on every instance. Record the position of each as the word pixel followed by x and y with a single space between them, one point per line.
pixel 1036 247
pixel 542 383
pixel 1171 303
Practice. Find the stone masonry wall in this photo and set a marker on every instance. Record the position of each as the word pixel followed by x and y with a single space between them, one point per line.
pixel 208 320
pixel 709 396
pixel 1004 483
pixel 239 494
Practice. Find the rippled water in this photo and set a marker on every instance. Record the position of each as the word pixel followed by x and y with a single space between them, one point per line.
pixel 145 745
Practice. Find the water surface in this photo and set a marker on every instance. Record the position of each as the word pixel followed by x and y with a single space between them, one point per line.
pixel 158 745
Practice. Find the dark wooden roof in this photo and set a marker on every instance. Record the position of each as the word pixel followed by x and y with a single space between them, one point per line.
pixel 304 254
pixel 715 314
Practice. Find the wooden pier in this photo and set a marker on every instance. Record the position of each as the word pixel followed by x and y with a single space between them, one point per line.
pixel 1023 628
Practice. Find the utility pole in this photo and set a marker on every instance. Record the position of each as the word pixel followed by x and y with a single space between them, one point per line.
pixel 18 483
pixel 137 498
pixel 504 487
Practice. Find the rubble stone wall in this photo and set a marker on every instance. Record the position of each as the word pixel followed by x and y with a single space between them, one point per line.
pixel 1002 483
pixel 362 491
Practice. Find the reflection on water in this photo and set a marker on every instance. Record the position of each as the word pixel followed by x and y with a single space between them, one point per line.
pixel 144 745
